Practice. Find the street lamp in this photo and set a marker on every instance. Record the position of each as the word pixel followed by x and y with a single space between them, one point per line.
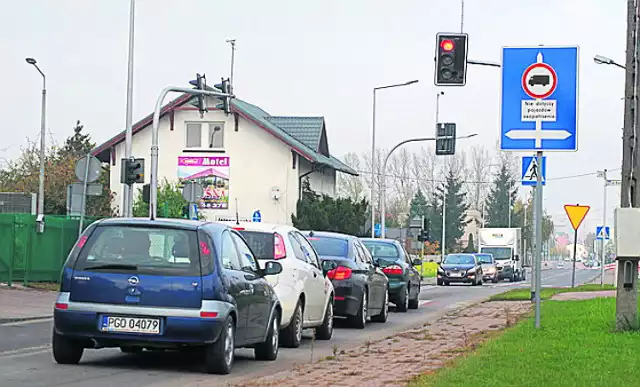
pixel 599 59
pixel 43 136
pixel 373 149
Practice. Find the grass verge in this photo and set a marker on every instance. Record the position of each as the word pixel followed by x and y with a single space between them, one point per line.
pixel 576 346
pixel 546 293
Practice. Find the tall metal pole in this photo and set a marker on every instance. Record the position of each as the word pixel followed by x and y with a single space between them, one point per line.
pixel 604 224
pixel 127 190
pixel 534 239
pixel 461 16
pixel 233 57
pixel 43 137
pixel 373 168
pixel 628 137
pixel 575 250
pixel 444 224
pixel 538 268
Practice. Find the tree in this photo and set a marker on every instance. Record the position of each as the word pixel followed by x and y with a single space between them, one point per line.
pixel 351 186
pixel 480 168
pixel 452 195
pixel 324 213
pixel 170 202
pixel 419 206
pixel 471 248
pixel 502 195
pixel 589 242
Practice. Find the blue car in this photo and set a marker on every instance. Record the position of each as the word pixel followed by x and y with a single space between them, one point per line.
pixel 165 284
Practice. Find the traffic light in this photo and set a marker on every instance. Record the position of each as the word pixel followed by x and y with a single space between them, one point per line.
pixel 224 87
pixel 425 231
pixel 451 59
pixel 201 84
pixel 146 193
pixel 132 171
pixel 446 139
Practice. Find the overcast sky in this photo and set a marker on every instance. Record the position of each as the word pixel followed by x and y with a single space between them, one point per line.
pixel 314 57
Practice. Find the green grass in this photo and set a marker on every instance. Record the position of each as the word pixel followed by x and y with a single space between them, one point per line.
pixel 576 346
pixel 546 293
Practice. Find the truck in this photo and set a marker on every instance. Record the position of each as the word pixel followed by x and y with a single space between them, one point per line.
pixel 504 244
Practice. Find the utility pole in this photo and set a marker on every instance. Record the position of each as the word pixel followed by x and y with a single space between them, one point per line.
pixel 127 190
pixel 232 42
pixel 444 223
pixel 628 137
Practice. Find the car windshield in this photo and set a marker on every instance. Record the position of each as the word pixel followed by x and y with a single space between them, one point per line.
pixel 485 258
pixel 459 259
pixel 261 243
pixel 382 249
pixel 499 253
pixel 330 247
pixel 156 250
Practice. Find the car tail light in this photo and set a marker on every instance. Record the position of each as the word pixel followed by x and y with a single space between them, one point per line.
pixel 204 314
pixel 204 249
pixel 279 249
pixel 82 241
pixel 238 228
pixel 339 273
pixel 62 305
pixel 393 270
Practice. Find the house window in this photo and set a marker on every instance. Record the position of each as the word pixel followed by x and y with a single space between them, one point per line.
pixel 204 135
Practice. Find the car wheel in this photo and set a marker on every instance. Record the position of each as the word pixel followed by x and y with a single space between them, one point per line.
pixel 219 356
pixel 403 301
pixel 524 275
pixel 360 320
pixel 132 350
pixel 292 334
pixel 384 315
pixel 65 351
pixel 268 350
pixel 439 282
pixel 447 283
pixel 414 303
pixel 325 331
pixel 495 279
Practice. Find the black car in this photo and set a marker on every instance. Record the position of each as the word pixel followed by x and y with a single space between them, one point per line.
pixel 165 284
pixel 461 268
pixel 361 288
pixel 404 279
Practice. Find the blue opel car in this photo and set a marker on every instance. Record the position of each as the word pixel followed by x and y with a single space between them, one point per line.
pixel 165 284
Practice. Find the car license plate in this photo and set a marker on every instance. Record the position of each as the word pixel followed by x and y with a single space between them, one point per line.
pixel 456 274
pixel 130 325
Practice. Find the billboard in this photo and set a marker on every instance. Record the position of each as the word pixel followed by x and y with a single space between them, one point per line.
pixel 212 173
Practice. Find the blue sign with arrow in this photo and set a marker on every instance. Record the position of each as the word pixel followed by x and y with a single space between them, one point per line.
pixel 377 229
pixel 257 216
pixel 539 99
pixel 603 233
pixel 531 169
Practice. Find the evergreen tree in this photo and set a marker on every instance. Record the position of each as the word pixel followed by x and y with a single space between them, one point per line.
pixel 456 208
pixel 471 248
pixel 419 206
pixel 502 195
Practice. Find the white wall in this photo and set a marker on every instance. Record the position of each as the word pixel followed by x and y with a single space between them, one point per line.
pixel 258 162
pixel 323 181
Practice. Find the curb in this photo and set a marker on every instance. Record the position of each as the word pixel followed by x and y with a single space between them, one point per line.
pixel 23 319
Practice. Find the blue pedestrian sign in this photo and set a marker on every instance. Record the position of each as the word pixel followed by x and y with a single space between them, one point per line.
pixel 257 216
pixel 531 170
pixel 539 103
pixel 603 233
pixel 377 229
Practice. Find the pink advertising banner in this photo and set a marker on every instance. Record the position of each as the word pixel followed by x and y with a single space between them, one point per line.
pixel 212 173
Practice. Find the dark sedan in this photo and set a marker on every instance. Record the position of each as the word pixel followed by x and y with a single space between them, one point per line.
pixel 361 288
pixel 404 279
pixel 461 268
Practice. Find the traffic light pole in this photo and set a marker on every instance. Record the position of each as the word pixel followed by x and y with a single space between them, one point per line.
pixel 127 190
pixel 153 197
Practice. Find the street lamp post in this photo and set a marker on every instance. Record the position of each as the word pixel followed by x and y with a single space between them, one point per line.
pixel 43 138
pixel 127 190
pixel 373 151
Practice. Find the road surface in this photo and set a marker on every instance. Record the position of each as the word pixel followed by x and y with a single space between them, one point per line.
pixel 25 353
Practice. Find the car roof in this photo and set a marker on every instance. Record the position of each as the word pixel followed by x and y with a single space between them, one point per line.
pixel 186 224
pixel 259 226
pixel 329 234
pixel 383 240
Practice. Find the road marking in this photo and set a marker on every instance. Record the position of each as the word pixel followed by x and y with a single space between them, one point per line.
pixel 24 352
pixel 27 322
pixel 425 302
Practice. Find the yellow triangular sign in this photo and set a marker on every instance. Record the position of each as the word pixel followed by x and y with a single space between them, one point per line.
pixel 576 214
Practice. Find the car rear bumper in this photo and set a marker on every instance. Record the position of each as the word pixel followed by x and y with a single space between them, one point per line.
pixel 346 299
pixel 396 290
pixel 178 327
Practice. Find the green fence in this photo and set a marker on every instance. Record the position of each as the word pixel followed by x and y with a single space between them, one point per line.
pixel 28 256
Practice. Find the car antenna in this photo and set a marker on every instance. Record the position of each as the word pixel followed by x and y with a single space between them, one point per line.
pixel 237 216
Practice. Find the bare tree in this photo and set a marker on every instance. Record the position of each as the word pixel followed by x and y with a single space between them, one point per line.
pixel 427 170
pixel 404 185
pixel 366 177
pixel 351 186
pixel 480 168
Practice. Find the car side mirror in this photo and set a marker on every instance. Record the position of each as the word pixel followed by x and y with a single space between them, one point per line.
pixel 516 257
pixel 416 262
pixel 327 266
pixel 272 268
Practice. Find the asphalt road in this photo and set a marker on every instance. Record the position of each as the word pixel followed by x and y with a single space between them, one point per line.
pixel 25 353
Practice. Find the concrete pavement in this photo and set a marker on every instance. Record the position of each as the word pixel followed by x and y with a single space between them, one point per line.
pixel 18 304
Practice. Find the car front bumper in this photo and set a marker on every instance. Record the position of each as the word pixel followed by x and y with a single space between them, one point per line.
pixel 469 278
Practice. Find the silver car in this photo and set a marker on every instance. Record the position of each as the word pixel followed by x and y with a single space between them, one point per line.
pixel 489 269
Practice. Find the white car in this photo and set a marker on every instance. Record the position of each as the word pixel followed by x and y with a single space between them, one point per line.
pixel 305 293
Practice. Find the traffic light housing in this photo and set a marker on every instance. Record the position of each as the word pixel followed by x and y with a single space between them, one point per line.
pixel 451 59
pixel 225 87
pixel 425 231
pixel 446 139
pixel 146 193
pixel 200 83
pixel 132 171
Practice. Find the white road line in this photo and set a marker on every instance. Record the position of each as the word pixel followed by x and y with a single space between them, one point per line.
pixel 425 302
pixel 27 322
pixel 23 352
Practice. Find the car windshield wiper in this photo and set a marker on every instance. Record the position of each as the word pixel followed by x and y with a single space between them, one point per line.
pixel 113 266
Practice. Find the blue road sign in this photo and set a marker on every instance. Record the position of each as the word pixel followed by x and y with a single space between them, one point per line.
pixel 530 170
pixel 539 99
pixel 603 233
pixel 193 211
pixel 257 216
pixel 377 229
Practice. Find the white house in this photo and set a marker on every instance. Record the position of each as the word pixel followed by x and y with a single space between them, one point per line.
pixel 249 157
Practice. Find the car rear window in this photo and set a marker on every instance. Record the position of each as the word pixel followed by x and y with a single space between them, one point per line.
pixel 261 243
pixel 382 249
pixel 161 251
pixel 330 247
pixel 485 258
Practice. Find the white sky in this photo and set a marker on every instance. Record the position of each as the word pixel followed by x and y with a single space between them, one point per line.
pixel 313 57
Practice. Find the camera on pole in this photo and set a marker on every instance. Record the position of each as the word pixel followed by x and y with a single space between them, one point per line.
pixel 446 139
pixel 132 171
pixel 224 86
pixel 451 59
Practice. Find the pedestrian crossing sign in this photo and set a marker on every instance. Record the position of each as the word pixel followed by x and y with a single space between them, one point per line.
pixel 603 233
pixel 531 169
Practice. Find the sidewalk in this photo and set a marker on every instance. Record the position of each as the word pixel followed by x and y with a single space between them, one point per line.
pixel 20 304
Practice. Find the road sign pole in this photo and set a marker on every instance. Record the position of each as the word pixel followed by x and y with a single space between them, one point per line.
pixel 575 248
pixel 604 224
pixel 84 195
pixel 538 250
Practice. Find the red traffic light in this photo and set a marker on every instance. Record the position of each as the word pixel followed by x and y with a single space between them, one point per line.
pixel 447 45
